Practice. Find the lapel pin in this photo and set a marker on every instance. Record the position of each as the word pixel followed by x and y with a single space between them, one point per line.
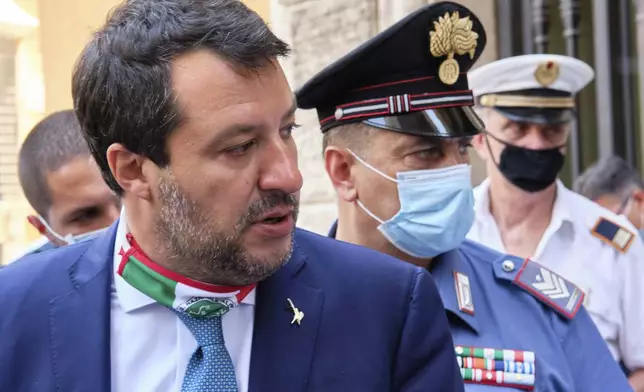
pixel 297 314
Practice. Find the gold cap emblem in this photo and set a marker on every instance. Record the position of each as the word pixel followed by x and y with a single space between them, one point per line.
pixel 547 73
pixel 452 35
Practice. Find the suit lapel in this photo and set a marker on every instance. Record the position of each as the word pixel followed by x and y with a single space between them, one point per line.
pixel 79 321
pixel 282 352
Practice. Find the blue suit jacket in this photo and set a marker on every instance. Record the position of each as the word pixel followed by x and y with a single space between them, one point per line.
pixel 372 323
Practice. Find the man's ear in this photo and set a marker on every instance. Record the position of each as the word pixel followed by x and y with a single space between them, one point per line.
pixel 338 163
pixel 131 171
pixel 480 145
pixel 638 195
pixel 38 223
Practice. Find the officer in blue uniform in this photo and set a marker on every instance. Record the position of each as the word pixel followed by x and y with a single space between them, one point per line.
pixel 397 117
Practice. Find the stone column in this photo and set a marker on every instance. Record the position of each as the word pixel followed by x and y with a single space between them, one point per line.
pixel 391 11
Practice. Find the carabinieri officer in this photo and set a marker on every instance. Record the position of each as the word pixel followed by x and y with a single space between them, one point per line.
pixel 397 119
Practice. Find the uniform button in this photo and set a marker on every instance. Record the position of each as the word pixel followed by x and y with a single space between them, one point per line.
pixel 508 266
pixel 339 113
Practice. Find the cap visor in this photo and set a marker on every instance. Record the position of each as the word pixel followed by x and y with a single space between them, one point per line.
pixel 460 121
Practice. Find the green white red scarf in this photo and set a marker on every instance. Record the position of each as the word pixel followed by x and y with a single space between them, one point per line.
pixel 176 291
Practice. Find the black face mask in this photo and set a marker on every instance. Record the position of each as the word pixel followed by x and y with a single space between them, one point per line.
pixel 530 170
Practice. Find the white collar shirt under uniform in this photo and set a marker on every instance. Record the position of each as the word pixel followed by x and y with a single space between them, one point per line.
pixel 150 345
pixel 613 281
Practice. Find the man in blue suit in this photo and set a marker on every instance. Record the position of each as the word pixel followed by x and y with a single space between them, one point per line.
pixel 204 284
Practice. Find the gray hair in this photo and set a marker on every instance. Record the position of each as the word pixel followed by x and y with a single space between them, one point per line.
pixel 354 136
pixel 609 176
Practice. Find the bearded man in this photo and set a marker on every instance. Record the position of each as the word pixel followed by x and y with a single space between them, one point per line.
pixel 204 284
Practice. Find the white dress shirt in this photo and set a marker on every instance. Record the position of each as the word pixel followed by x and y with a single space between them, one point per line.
pixel 151 347
pixel 613 281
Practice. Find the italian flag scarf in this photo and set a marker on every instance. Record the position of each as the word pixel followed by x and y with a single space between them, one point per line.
pixel 177 292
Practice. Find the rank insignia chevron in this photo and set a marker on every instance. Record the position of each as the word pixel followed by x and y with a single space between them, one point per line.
pixel 550 288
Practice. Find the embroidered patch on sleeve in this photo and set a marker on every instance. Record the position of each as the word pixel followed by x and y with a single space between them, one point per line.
pixel 613 234
pixel 551 289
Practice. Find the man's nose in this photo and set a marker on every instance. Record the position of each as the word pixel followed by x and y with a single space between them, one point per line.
pixel 280 169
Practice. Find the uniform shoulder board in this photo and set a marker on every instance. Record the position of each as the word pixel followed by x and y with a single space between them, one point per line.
pixel 613 234
pixel 551 289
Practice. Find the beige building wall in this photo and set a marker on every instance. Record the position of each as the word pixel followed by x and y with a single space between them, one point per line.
pixel 66 25
pixel 62 42
pixel 21 26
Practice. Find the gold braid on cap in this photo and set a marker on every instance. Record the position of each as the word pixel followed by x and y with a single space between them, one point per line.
pixel 526 101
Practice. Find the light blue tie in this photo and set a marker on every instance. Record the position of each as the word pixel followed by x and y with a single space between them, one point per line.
pixel 210 368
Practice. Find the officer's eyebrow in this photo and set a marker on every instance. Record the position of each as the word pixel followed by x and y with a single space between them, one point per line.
pixel 407 142
pixel 429 141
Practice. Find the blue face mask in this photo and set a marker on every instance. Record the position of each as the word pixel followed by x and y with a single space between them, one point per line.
pixel 436 210
pixel 60 240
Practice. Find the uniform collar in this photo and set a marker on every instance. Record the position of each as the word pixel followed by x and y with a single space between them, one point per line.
pixel 129 298
pixel 444 269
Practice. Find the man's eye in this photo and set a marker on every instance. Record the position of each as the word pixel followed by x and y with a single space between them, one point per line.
pixel 464 146
pixel 288 130
pixel 85 216
pixel 514 131
pixel 242 148
pixel 428 154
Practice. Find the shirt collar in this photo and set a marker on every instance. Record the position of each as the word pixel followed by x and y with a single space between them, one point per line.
pixel 333 230
pixel 482 201
pixel 560 211
pixel 129 298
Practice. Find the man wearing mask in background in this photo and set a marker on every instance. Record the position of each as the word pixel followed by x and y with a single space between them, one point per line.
pixel 397 120
pixel 63 184
pixel 522 208
pixel 614 184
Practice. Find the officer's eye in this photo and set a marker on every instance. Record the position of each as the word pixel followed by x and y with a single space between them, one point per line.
pixel 554 133
pixel 464 145
pixel 515 131
pixel 429 153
